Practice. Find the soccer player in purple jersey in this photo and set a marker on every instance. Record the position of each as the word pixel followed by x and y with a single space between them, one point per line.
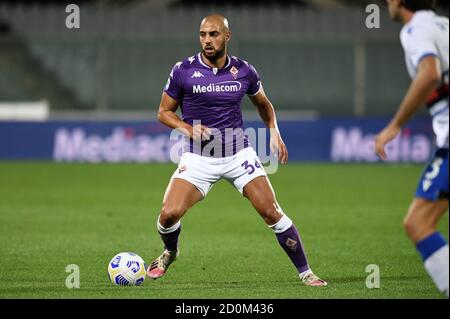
pixel 209 88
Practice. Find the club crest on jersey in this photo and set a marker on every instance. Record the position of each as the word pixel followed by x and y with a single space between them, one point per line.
pixel 182 169
pixel 234 72
pixel 197 74
pixel 292 244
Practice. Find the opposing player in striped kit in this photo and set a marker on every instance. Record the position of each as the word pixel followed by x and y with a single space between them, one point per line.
pixel 424 38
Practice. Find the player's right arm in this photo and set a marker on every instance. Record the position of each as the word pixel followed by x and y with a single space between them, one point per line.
pixel 167 116
pixel 427 79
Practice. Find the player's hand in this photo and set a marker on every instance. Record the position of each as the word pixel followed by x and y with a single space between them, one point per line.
pixel 278 147
pixel 201 133
pixel 384 137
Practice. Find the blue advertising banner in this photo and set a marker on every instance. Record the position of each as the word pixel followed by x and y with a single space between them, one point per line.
pixel 324 140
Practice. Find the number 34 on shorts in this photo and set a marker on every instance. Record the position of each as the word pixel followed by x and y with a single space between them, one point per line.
pixel 203 172
pixel 251 168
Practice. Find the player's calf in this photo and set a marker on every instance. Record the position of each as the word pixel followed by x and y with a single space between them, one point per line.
pixel 289 239
pixel 171 214
pixel 423 217
pixel 420 225
pixel 169 236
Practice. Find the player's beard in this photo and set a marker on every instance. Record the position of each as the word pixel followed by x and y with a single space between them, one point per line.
pixel 217 54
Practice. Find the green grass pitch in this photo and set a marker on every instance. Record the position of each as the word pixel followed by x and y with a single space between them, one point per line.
pixel 349 216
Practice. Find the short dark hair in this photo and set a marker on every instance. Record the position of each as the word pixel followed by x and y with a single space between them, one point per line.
pixel 416 5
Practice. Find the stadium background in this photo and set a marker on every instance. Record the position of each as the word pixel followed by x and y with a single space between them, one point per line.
pixel 70 95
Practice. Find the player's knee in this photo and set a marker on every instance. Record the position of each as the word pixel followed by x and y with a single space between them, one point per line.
pixel 270 214
pixel 409 225
pixel 415 226
pixel 170 214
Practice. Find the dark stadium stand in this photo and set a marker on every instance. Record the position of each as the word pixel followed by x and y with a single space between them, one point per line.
pixel 121 56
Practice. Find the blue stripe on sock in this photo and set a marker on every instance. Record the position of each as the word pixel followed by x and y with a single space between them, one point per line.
pixel 430 245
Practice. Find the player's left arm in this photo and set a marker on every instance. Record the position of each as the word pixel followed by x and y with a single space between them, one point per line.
pixel 267 113
pixel 428 77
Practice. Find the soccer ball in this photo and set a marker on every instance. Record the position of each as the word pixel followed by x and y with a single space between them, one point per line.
pixel 127 269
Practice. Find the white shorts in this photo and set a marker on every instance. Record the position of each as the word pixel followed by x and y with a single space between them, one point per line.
pixel 203 172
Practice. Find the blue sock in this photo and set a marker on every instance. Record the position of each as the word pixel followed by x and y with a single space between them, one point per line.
pixel 429 245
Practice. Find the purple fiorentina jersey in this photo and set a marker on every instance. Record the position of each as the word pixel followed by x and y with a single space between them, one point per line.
pixel 213 96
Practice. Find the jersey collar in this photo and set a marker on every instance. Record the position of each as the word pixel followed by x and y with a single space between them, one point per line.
pixel 200 60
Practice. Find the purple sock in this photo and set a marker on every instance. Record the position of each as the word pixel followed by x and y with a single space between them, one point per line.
pixel 171 239
pixel 292 245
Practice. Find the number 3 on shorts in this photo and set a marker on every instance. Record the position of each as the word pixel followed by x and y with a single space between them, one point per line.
pixel 249 167
pixel 435 169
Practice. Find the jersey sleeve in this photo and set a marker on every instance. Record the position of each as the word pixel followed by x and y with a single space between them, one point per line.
pixel 254 81
pixel 174 85
pixel 418 44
